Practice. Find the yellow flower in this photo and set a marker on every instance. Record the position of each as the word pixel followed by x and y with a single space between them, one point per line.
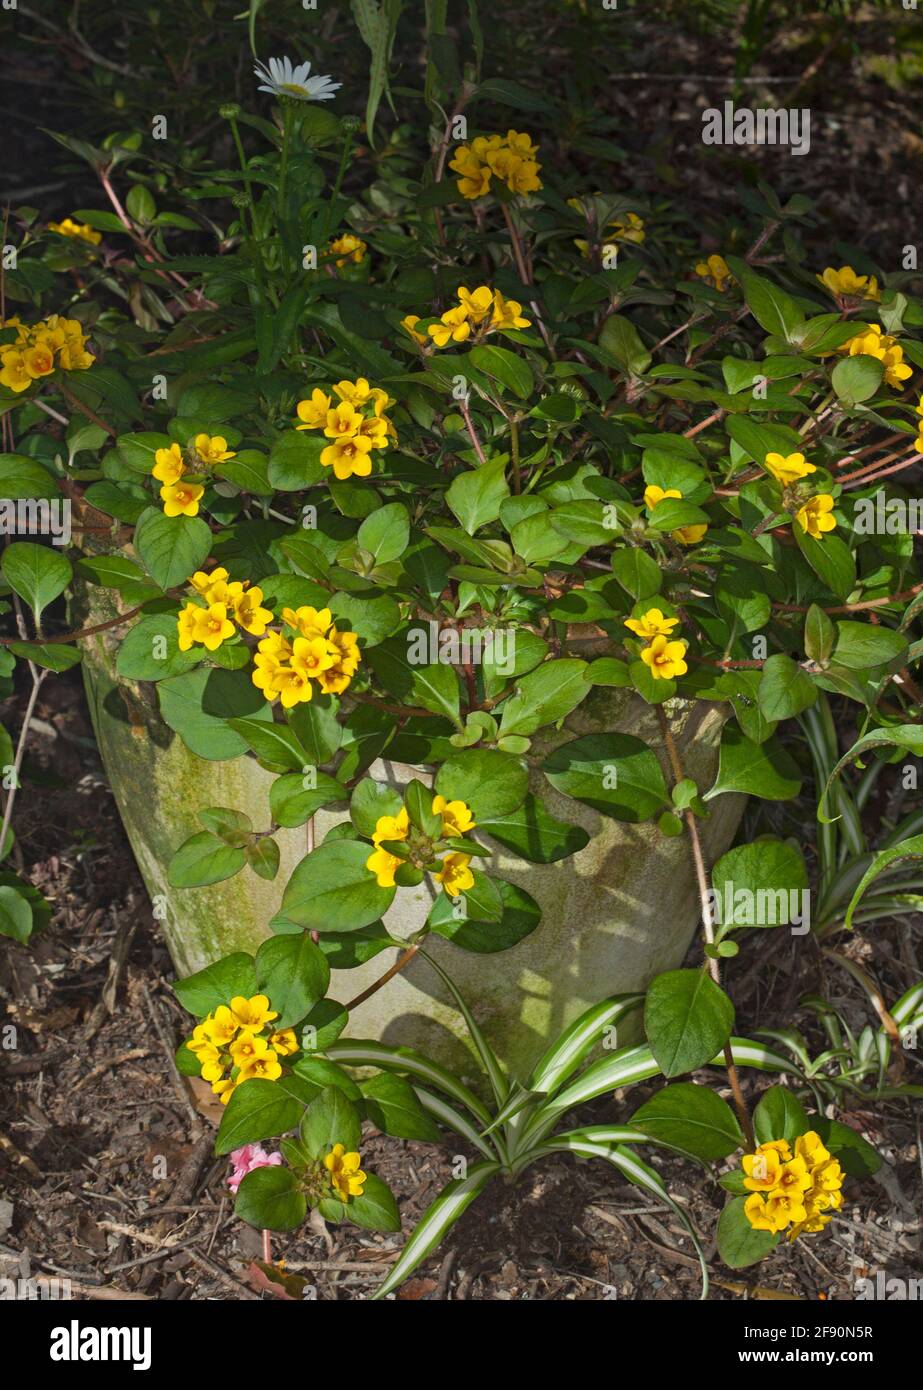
pixel 313 413
pixel 521 143
pixel 871 342
pixel 788 469
pixel 358 392
pixel 653 623
pixel 455 875
pixel 82 231
pixel 815 516
pixel 507 313
pixel 381 863
pixel 478 303
pixel 457 817
pixel 268 667
pixel 342 422
pixel 265 1066
pixel 211 1065
pixel 311 655
pixel 252 1013
pixel 346 1177
pixel 654 494
pixel 181 499
pixel 212 586
pixel 665 658
pixel 392 827
pixel 212 449
pixel 409 325
pixel 284 1042
pixel 38 360
pixel 200 1041
pixel 762 1168
pixel 309 622
pixel 247 1046
pixel 810 1147
pixel 349 457
pixel 523 177
pixel 248 613
pixel 347 647
pixel 716 271
pixel 631 228
pixel 846 284
pixel 452 327
pixel 347 248
pixel 187 626
pixel 225 1089
pixel 375 429
pixel 221 1026
pixel 14 374
pixel 474 180
pixel 210 626
pixel 292 687
pixel 690 535
pixel 169 466
pixel 336 678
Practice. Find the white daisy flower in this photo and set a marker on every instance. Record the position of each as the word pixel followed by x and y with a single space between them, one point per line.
pixel 281 78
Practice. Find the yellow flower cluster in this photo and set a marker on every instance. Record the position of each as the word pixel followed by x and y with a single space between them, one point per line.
pixel 40 348
pixel 792 1192
pixel 510 158
pixel 715 271
pixel 346 1177
pixel 684 535
pixel 846 284
pixel 918 442
pixel 871 342
pixel 455 874
pixel 182 491
pixel 356 425
pixel 815 515
pixel 629 227
pixel 477 314
pixel 664 657
pixel 285 665
pixel 346 249
pixel 237 1043
pixel 79 231
pixel 210 622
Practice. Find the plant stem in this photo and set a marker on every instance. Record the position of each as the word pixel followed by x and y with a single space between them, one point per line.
pixel 708 923
pixel 389 974
pixel 525 277
pixel 514 451
pixel 469 425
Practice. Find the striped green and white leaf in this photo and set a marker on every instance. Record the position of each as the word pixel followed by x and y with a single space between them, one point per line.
pixel 433 1226
pixel 567 1052
pixel 365 1053
pixel 447 1115
pixel 498 1082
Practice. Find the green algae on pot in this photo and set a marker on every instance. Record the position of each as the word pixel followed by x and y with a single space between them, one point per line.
pixel 613 915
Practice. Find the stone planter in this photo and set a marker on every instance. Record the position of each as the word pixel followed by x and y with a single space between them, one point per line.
pixel 615 914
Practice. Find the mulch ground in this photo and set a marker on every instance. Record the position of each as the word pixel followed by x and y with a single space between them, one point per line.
pixel 107 1176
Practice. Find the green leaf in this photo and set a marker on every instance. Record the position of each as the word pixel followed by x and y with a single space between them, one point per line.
pixel 637 573
pixel 218 983
pixel 292 803
pixel 385 533
pixel 263 857
pixel 687 1019
pixel 331 1119
pixel 432 686
pixel 323 1025
pixel 504 366
pixel 520 914
pixel 331 890
pixel 54 656
pixel 758 769
pixel 392 1106
pixel 15 915
pixel 906 736
pixel 779 1115
pixel 621 340
pixel 785 689
pixel 150 652
pixel 268 1198
pixel 272 743
pixel 22 477
pixel 171 547
pixel 767 872
pixel 855 379
pixel 544 696
pixel 375 1208
pixel 369 802
pixel 819 635
pixel 860 645
pixel 856 1156
pixel 475 496
pixel 492 783
pixel 293 971
pixel 691 1118
pixel 37 573
pixel 260 1109
pixel 772 308
pixel 739 1245
pixel 204 859
pixel 616 774
pixel 911 848
pixel 294 461
pixel 199 704
pixel 533 833
pixel 830 559
pixel 316 725
pixel 377 22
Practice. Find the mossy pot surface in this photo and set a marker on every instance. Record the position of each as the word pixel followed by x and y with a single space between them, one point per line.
pixel 614 915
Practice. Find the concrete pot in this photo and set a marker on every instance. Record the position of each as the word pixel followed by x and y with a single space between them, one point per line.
pixel 614 915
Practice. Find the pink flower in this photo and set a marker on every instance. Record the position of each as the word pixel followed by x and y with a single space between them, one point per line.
pixel 246 1159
